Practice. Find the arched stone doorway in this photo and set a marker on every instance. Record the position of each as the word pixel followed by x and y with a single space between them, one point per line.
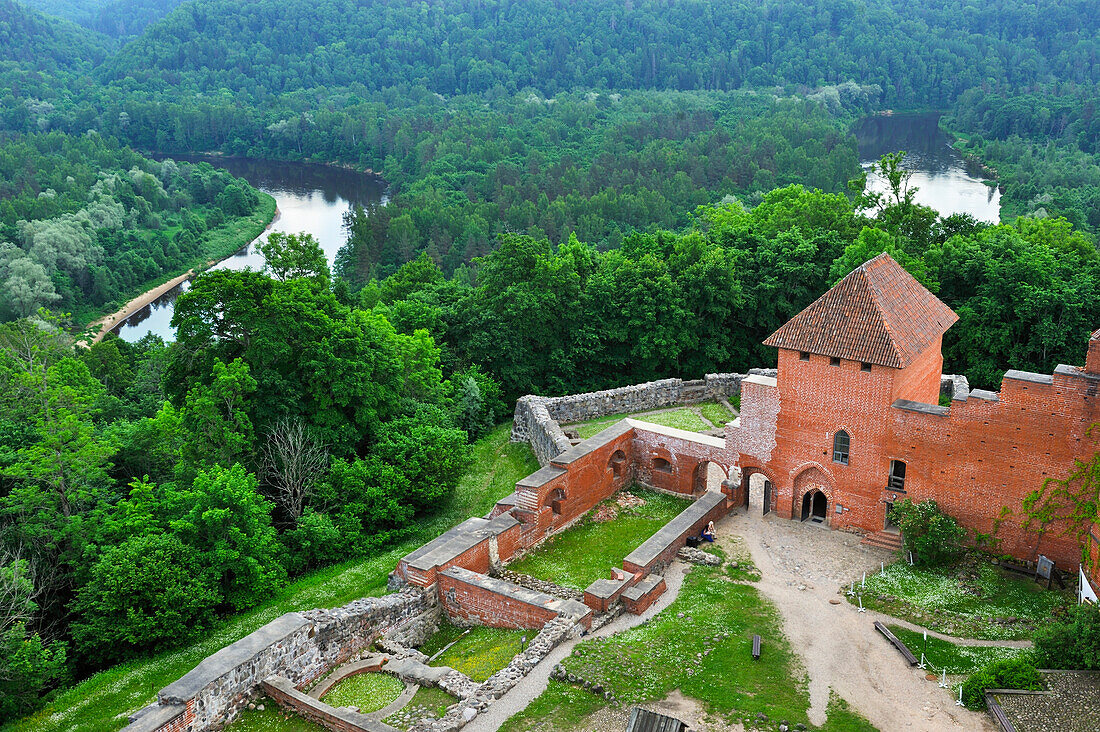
pixel 708 476
pixel 815 507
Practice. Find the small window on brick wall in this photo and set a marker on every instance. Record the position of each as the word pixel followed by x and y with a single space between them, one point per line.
pixel 841 444
pixel 662 465
pixel 897 475
pixel 865 367
pixel 803 355
pixel 834 361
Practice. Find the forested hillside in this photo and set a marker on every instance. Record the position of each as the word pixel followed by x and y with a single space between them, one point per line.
pixel 582 195
pixel 85 223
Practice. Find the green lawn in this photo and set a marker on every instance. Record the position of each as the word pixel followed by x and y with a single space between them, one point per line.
pixel 716 413
pixel 706 654
pixel 103 701
pixel 367 692
pixel 427 698
pixel 963 600
pixel 479 653
pixel 683 418
pixel 587 551
pixel 272 719
pixel 955 658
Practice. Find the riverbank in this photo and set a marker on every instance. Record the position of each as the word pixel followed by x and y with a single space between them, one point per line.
pixel 266 217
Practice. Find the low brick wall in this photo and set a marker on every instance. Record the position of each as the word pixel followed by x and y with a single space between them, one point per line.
pixel 283 693
pixel 658 550
pixel 472 598
pixel 638 598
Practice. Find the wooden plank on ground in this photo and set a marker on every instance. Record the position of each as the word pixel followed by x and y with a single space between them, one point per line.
pixel 897 643
pixel 756 648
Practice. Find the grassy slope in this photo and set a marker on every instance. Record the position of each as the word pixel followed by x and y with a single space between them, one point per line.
pixel 586 552
pixel 480 653
pixel 103 701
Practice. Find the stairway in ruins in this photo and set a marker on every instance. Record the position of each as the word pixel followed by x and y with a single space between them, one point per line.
pixel 887 539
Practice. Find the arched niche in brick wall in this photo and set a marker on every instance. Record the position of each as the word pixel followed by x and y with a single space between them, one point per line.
pixel 555 499
pixel 617 463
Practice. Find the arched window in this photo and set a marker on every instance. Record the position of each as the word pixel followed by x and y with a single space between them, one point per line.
pixel 841 443
pixel 662 465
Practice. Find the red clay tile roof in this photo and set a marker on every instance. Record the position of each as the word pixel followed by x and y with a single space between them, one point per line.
pixel 1096 335
pixel 877 314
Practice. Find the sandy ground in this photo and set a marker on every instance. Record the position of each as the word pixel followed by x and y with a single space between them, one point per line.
pixel 107 322
pixel 803 566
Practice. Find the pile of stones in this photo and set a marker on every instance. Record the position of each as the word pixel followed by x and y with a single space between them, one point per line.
pixel 698 556
pixel 598 689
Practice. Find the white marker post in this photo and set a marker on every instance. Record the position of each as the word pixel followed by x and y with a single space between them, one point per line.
pixel 881 567
pixel 863 583
pixel 861 608
pixel 959 703
pixel 910 559
pixel 922 665
pixel 943 681
pixel 852 590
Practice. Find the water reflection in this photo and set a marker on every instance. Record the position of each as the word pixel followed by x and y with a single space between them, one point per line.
pixel 946 181
pixel 310 198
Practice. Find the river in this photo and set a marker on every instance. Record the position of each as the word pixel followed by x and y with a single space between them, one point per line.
pixel 310 198
pixel 945 180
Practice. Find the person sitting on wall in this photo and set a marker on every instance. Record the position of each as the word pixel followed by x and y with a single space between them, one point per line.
pixel 708 533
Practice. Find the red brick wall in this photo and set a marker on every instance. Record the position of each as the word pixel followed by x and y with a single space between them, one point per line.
pixel 675 545
pixel 980 456
pixel 183 722
pixel 642 604
pixel 920 380
pixel 509 541
pixel 1092 361
pixel 310 709
pixel 477 605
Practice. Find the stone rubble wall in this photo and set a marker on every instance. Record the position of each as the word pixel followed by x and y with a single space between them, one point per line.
pixel 550 637
pixel 297 646
pixel 538 419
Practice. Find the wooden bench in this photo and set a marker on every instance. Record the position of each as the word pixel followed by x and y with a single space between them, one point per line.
pixel 897 643
pixel 756 648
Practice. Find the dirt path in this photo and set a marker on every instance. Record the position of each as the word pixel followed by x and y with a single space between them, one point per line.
pixel 803 567
pixel 107 322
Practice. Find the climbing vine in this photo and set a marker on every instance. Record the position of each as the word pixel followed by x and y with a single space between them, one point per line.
pixel 1071 502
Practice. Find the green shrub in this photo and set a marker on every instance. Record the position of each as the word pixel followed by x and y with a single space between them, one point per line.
pixel 1010 673
pixel 1072 642
pixel 934 537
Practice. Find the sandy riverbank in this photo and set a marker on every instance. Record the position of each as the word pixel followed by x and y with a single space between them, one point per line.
pixel 108 322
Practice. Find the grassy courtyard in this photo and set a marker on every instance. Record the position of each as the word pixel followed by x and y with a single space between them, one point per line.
pixel 587 551
pixel 971 599
pixel 696 418
pixel 103 701
pixel 700 645
pixel 477 652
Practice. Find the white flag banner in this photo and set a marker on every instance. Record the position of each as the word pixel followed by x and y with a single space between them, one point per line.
pixel 1085 593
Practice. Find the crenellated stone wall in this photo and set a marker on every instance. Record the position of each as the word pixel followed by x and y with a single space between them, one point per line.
pixel 538 419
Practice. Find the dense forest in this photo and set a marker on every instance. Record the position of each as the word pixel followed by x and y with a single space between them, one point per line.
pixel 86 224
pixel 583 195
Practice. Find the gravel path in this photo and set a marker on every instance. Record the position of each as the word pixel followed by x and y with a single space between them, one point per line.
pixel 803 567
pixel 535 682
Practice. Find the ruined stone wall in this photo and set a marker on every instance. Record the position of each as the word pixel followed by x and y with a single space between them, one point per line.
pixel 298 646
pixel 537 419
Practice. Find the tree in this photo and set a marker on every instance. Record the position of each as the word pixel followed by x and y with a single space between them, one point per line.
pixel 1072 641
pixel 28 665
pixel 288 256
pixel 934 537
pixel 223 516
pixel 293 461
pixel 215 419
pixel 149 592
